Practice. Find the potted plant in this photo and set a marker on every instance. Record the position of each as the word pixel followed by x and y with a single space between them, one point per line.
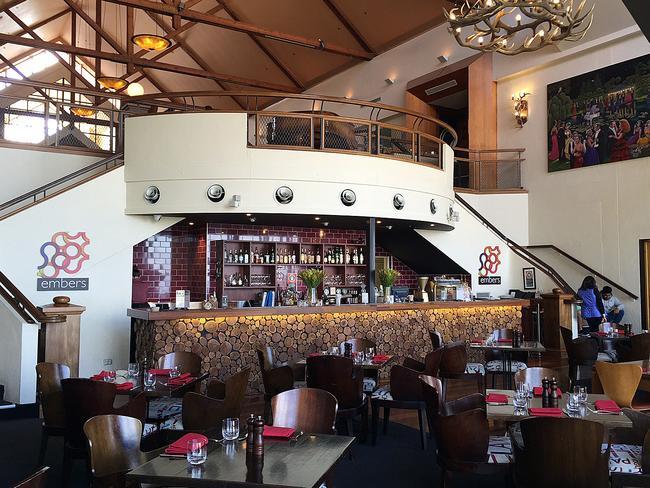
pixel 387 278
pixel 312 277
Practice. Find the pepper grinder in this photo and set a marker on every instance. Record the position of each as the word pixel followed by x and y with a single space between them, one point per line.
pixel 258 442
pixel 250 434
pixel 545 392
pixel 554 395
pixel 348 350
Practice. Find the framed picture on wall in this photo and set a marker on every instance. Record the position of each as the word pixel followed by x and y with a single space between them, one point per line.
pixel 530 283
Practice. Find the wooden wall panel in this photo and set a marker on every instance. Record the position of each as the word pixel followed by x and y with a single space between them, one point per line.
pixel 411 102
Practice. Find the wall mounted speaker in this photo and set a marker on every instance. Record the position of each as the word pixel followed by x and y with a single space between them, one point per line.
pixel 399 201
pixel 216 193
pixel 348 197
pixel 152 194
pixel 284 195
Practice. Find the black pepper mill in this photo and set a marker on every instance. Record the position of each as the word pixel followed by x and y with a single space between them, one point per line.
pixel 258 438
pixel 545 393
pixel 554 395
pixel 515 338
pixel 348 350
pixel 250 434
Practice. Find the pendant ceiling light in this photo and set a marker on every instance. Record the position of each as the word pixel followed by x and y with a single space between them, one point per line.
pixel 151 42
pixel 112 83
pixel 517 26
pixel 83 111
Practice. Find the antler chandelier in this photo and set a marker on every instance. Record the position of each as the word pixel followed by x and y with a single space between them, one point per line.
pixel 516 26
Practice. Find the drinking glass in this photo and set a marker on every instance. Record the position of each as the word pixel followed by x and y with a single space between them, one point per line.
pixel 230 429
pixel 334 351
pixel 175 372
pixel 134 369
pixel 371 352
pixel 196 452
pixel 581 393
pixel 574 402
pixel 149 379
pixel 520 400
pixel 109 377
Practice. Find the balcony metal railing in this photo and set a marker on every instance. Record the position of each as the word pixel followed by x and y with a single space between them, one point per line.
pixel 488 169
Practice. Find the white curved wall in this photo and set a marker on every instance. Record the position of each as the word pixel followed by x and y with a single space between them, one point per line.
pixel 183 154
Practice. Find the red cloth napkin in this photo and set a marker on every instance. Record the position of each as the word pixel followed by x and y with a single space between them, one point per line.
pixel 278 432
pixel 124 386
pixel 601 333
pixel 314 354
pixel 476 341
pixel 180 380
pixel 100 376
pixel 607 406
pixel 545 412
pixel 504 340
pixel 380 358
pixel 537 391
pixel 160 372
pixel 496 398
pixel 180 446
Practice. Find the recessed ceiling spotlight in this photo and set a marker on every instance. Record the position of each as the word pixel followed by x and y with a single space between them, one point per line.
pixel 326 224
pixel 248 215
pixel 390 80
pixel 316 218
pixel 252 219
pixel 379 221
pixel 432 225
pixel 442 58
pixel 389 227
pixel 190 223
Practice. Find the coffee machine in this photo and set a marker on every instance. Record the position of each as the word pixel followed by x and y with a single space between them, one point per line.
pixel 421 295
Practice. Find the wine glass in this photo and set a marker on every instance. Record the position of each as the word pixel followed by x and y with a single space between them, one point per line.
pixel 134 369
pixel 149 379
pixel 109 376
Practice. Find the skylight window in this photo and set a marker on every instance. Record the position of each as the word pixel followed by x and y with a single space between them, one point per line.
pixel 28 66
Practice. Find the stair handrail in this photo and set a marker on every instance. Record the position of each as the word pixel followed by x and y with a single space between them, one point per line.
pixel 33 194
pixel 585 266
pixel 518 249
pixel 23 306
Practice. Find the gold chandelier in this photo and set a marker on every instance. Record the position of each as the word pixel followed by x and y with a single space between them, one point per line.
pixel 83 111
pixel 516 26
pixel 112 83
pixel 151 42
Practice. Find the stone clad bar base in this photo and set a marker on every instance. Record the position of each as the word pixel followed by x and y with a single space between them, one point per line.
pixel 227 339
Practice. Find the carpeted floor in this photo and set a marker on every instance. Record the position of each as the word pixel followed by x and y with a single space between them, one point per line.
pixel 396 460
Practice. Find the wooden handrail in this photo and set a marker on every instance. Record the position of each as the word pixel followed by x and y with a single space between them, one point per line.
pixel 518 249
pixel 23 306
pixel 585 266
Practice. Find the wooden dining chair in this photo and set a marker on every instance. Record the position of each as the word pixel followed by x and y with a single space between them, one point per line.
pixel 187 362
pixel 83 399
pixel 370 376
pixel 36 480
pixel 454 366
pixel 582 354
pixel 533 376
pixel 638 349
pixel 560 452
pixel 620 383
pixel 339 376
pixel 50 397
pixel 232 391
pixel 494 357
pixel 203 413
pixel 310 410
pixel 436 339
pixel 114 448
pixel 404 393
pixel 275 379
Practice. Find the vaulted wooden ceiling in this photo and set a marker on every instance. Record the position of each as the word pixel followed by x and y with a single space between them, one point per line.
pixel 286 45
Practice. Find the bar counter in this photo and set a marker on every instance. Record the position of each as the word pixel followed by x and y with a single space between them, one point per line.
pixel 227 338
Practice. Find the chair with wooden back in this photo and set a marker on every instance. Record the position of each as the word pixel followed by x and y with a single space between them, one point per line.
pixel 339 376
pixel 114 448
pixel 187 362
pixel 436 339
pixel 50 396
pixel 404 393
pixel 370 376
pixel 36 480
pixel 582 354
pixel 232 391
pixel 454 366
pixel 310 410
pixel 202 413
pixel 433 399
pixel 638 349
pixel 275 379
pixel 560 452
pixel 533 376
pixel 358 345
pixel 619 381
pixel 431 364
pixel 494 358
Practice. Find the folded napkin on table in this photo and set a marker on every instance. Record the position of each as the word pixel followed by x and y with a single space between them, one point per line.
pixel 601 333
pixel 380 358
pixel 545 412
pixel 180 380
pixel 100 376
pixel 476 341
pixel 537 391
pixel 279 432
pixel 504 340
pixel 127 385
pixel 160 372
pixel 314 354
pixel 180 446
pixel 607 406
pixel 496 398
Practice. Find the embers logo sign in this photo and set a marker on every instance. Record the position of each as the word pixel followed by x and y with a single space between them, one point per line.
pixel 489 261
pixel 63 257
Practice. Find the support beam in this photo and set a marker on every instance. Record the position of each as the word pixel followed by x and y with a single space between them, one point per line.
pixel 20 73
pixel 130 19
pixel 145 63
pixel 347 23
pixel 10 5
pixel 372 265
pixel 245 27
pixel 40 24
pixel 98 40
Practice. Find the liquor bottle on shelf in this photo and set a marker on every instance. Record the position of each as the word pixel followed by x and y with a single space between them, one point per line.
pixel 293 256
pixel 355 257
pixel 240 257
pixel 246 258
pixel 272 256
pixel 360 256
pixel 256 256
pixel 347 256
pixel 231 257
pixel 240 282
pixel 317 256
pixel 303 256
pixel 267 257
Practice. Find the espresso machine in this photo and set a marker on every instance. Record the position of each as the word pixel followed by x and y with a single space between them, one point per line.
pixel 421 295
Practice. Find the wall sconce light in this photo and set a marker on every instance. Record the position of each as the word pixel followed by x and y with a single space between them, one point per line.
pixel 521 107
pixel 390 80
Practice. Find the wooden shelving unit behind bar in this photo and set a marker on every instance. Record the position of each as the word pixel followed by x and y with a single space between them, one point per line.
pixel 341 275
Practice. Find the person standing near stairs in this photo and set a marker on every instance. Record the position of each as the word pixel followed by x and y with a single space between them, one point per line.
pixel 592 309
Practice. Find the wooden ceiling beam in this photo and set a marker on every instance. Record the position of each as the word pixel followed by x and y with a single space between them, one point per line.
pixel 11 4
pixel 245 27
pixel 144 63
pixel 349 26
pixel 40 24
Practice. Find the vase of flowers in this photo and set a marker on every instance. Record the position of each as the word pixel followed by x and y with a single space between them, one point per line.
pixel 387 278
pixel 312 277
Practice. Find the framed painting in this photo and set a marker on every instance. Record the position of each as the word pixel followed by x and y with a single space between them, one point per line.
pixel 530 283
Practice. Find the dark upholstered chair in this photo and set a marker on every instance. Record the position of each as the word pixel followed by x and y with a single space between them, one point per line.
pixel 436 339
pixel 83 399
pixel 344 380
pixel 494 358
pixel 534 376
pixel 202 413
pixel 454 366
pixel 50 396
pixel 638 349
pixel 275 379
pixel 36 480
pixel 370 376
pixel 305 409
pixel 582 354
pixel 404 393
pixel 431 364
pixel 187 362
pixel 560 452
pixel 114 447
pixel 232 391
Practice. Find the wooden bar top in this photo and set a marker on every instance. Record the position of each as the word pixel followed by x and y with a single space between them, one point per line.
pixel 146 314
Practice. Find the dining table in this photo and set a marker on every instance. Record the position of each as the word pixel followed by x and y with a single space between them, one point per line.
pixel 508 413
pixel 161 389
pixel 305 462
pixel 507 349
pixel 366 364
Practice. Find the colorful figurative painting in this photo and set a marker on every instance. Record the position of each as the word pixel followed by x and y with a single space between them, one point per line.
pixel 600 117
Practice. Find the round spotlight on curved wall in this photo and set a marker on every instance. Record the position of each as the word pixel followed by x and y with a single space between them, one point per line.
pixel 284 195
pixel 432 206
pixel 216 193
pixel 152 194
pixel 348 197
pixel 399 201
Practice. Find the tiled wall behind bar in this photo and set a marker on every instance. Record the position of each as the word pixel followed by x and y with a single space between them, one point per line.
pixel 175 259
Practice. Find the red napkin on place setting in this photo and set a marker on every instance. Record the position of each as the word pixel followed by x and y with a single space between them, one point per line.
pixel 607 406
pixel 537 391
pixel 496 398
pixel 380 358
pixel 160 372
pixel 278 432
pixel 601 333
pixel 180 380
pixel 100 376
pixel 504 340
pixel 545 412
pixel 314 354
pixel 179 446
pixel 476 341
pixel 124 386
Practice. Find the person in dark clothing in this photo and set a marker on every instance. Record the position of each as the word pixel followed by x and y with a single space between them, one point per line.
pixel 592 309
pixel 603 144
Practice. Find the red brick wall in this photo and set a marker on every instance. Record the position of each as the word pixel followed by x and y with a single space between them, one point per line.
pixel 408 277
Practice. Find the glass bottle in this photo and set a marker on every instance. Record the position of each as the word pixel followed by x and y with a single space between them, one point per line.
pixel 317 256
pixel 246 258
pixel 302 255
pixel 272 256
pixel 256 256
pixel 293 256
pixel 240 282
pixel 360 256
pixel 347 256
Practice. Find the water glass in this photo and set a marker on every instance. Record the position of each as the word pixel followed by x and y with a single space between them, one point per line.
pixel 134 369
pixel 574 402
pixel 334 351
pixel 230 429
pixel 371 352
pixel 109 377
pixel 520 400
pixel 196 452
pixel 175 372
pixel 149 379
pixel 581 393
